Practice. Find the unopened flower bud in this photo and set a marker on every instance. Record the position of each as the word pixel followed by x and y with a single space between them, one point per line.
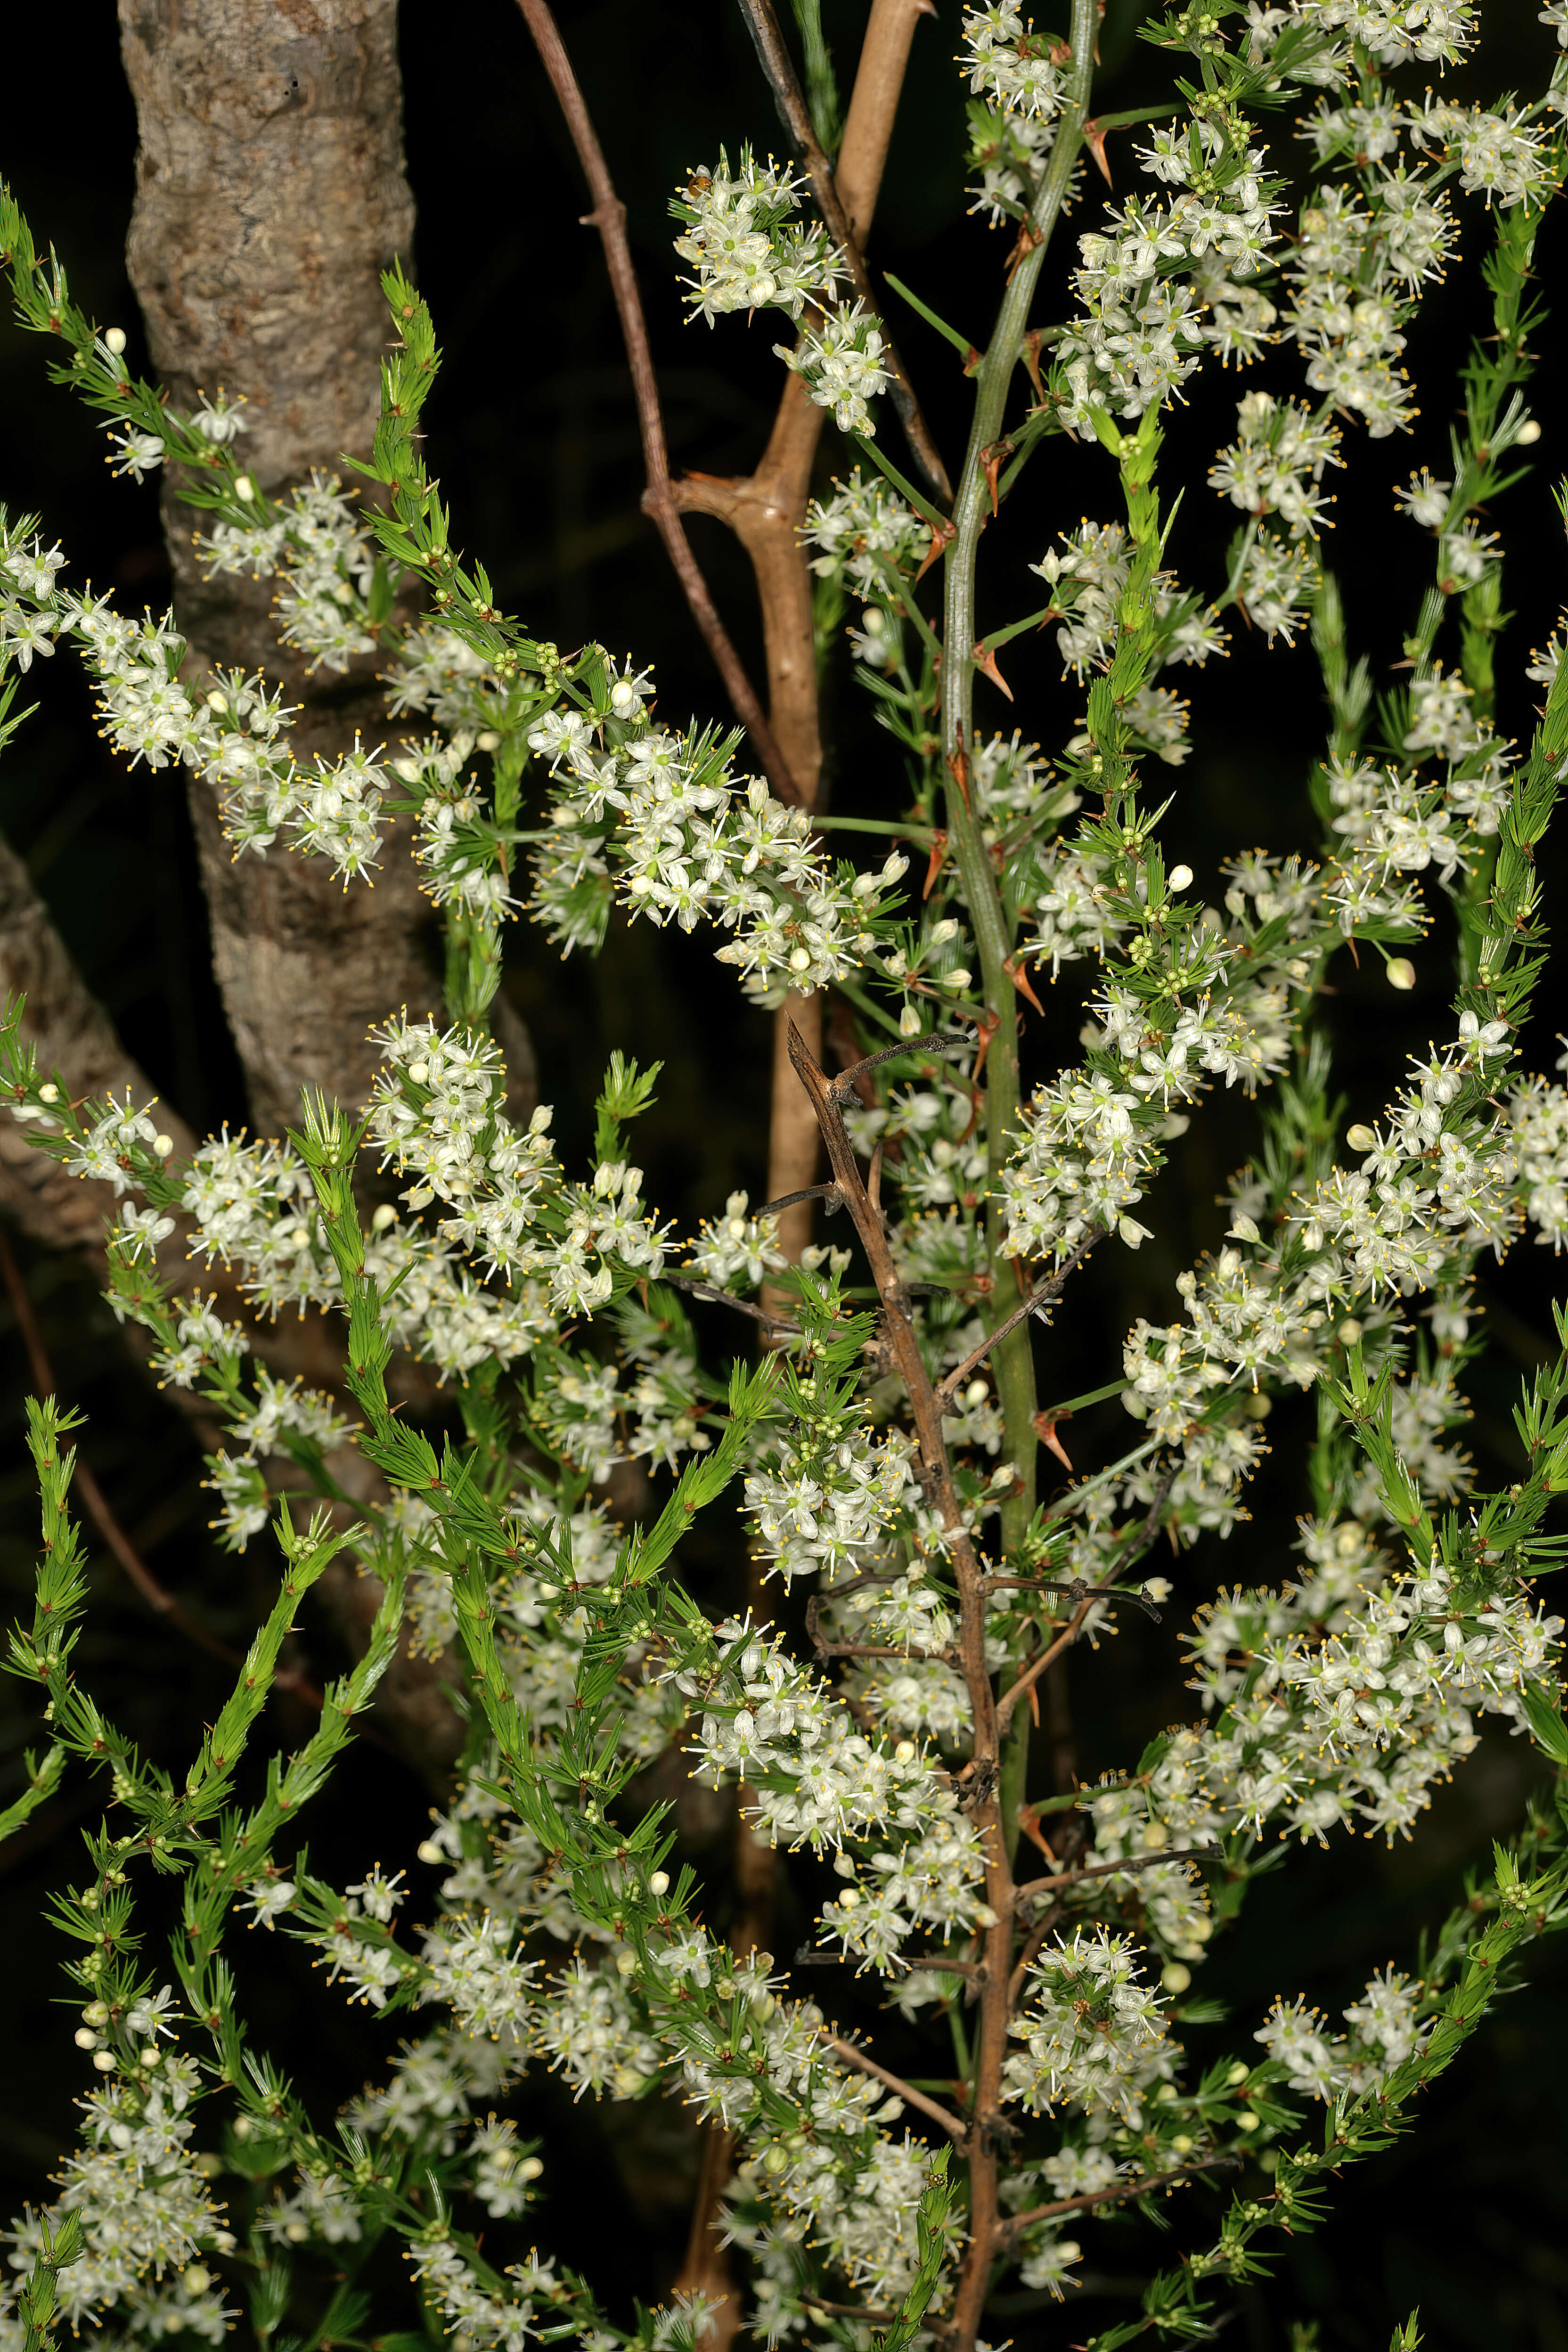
pixel 1181 878
pixel 959 978
pixel 104 2061
pixel 659 1883
pixel 48 1092
pixel 85 2038
pixel 1175 1977
pixel 800 959
pixel 163 1145
pixel 243 487
pixel 625 1963
pixel 1157 1588
pixel 382 1217
pixel 909 1021
pixel 419 1072
pixel 530 2169
pixel 1349 1332
pixel 196 2280
pixel 1529 431
pixel 488 741
pixel 114 336
pixel 1361 1138
pixel 428 1851
pixel 1401 973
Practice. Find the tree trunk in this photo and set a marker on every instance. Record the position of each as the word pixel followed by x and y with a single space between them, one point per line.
pixel 270 193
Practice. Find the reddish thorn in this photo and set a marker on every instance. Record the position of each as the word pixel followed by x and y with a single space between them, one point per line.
pixel 941 538
pixel 1046 1430
pixel 938 852
pixel 1032 362
pixel 1020 980
pixel 971 360
pixel 991 462
pixel 987 1024
pixel 1033 1695
pixel 1094 140
pixel 958 769
pixel 1029 1819
pixel 985 659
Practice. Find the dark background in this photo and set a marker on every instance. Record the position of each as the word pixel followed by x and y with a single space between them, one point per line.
pixel 533 430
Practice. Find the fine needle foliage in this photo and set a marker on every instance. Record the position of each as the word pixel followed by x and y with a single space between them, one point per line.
pixel 874 1422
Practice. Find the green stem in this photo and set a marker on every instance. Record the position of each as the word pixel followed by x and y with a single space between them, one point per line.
pixel 1014 1360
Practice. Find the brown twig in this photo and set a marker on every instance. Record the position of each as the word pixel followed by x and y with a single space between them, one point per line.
pixel 779 67
pixel 609 217
pixel 155 1595
pixel 1038 1886
pixel 954 2126
pixel 696 1289
pixel 1039 1299
pixel 983 1774
pixel 1143 2187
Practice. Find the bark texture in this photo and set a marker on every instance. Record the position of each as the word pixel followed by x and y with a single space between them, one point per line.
pixel 270 193
pixel 74 1035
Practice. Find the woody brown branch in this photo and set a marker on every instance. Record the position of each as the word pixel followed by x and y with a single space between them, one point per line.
pixel 934 1473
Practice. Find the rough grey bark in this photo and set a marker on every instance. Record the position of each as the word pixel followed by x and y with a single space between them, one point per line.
pixel 270 192
pixel 72 1033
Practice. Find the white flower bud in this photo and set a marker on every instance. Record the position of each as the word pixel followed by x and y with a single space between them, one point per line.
pixel 1401 973
pixel 909 1021
pixel 382 1217
pixel 959 978
pixel 1361 1138
pixel 659 1883
pixel 488 741
pixel 428 1851
pixel 943 932
pixel 895 866
pixel 625 1963
pixel 530 2169
pixel 1528 432
pixel 1157 1588
pixel 800 959
pixel 904 1753
pixel 1176 1977
pixel 114 336
pixel 1238 2074
pixel 418 1072
pixel 85 2038
pixel 48 1092
pixel 243 487
pixel 1180 878
pixel 104 2061
pixel 850 1899
pixel 196 2280
pixel 163 1145
pixel 1248 2122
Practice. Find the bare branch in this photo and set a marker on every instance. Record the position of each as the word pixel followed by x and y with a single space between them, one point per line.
pixel 1035 1888
pixel 779 67
pixel 1144 2186
pixel 1039 1299
pixel 953 2125
pixel 609 217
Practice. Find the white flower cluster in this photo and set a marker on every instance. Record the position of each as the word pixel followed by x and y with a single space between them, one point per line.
pixel 147 2212
pixel 1343 1696
pixel 839 359
pixel 1538 1112
pixel 743 240
pixel 234 737
pixel 818 1780
pixel 322 552
pixel 1087 582
pixel 825 1491
pixel 737 1247
pixel 693 846
pixel 1093 2036
pixel 1143 331
pixel 1384 2032
pixel 863 531
pixel 1277 462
